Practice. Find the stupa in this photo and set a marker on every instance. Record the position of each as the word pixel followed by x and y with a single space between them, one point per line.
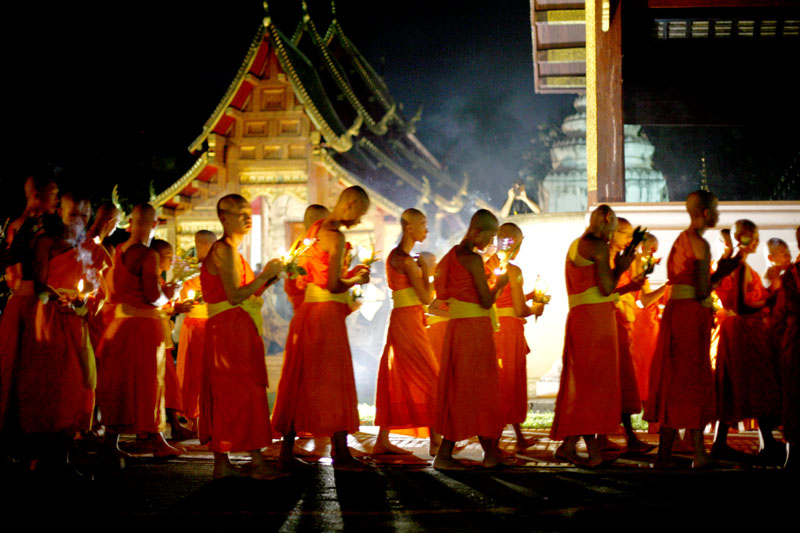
pixel 564 187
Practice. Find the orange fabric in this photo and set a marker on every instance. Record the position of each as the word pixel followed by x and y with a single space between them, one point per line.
pixel 747 379
pixel 173 395
pixel 131 361
pixel 643 344
pixel 436 333
pixel 631 401
pixel 51 393
pixel 15 323
pixel 234 412
pixel 191 346
pixel 468 395
pixel 681 391
pixel 317 390
pixel 785 334
pixel 406 391
pixel 99 317
pixel 293 292
pixel 589 397
pixel 512 349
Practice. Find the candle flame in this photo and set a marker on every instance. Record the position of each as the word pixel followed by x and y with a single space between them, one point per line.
pixel 80 286
pixel 97 239
pixel 307 241
pixel 190 294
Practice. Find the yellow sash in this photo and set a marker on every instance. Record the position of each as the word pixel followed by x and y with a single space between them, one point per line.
pixel 506 311
pixel 129 311
pixel 405 298
pixel 435 319
pixel 200 310
pixel 459 309
pixel 592 295
pixel 252 306
pixel 316 294
pixel 687 292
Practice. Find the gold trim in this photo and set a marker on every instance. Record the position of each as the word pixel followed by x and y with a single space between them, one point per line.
pixel 562 16
pixel 351 179
pixel 182 182
pixel 591 97
pixel 564 81
pixel 564 55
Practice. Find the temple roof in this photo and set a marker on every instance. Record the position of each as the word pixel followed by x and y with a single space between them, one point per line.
pixel 366 139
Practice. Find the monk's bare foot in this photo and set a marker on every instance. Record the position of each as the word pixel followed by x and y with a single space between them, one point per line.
pixel 162 450
pixel 566 454
pixel 387 448
pixel 637 446
pixel 606 445
pixel 496 461
pixel 524 444
pixel 433 445
pixel 293 464
pixel 441 463
pixel 351 464
pixel 180 432
pixel 703 462
pixel 225 469
pixel 265 472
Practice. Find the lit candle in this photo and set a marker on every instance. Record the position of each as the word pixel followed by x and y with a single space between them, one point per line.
pixel 80 287
pixel 190 294
pixel 97 239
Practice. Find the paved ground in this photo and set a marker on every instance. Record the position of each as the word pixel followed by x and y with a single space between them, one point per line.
pixel 405 494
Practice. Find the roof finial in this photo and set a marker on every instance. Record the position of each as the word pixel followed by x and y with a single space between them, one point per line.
pixel 306 16
pixel 333 9
pixel 267 19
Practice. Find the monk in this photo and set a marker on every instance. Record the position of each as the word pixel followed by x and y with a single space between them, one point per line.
pixel 747 379
pixel 20 309
pixel 191 343
pixel 437 315
pixel 681 381
pixel 317 391
pixel 105 222
pixel 173 395
pixel 648 317
pixel 406 390
pixel 56 377
pixel 131 356
pixel 627 287
pixel 234 413
pixel 589 397
pixel 468 395
pixel 509 341
pixel 785 333
pixel 313 213
pixel 780 259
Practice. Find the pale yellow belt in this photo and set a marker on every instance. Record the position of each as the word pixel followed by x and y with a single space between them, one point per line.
pixel 506 311
pixel 252 306
pixel 592 295
pixel 316 294
pixel 124 310
pixel 688 292
pixel 405 298
pixel 199 310
pixel 459 309
pixel 435 319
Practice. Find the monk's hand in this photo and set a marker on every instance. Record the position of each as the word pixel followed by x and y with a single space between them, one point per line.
pixel 170 289
pixel 773 273
pixel 360 274
pixel 624 259
pixel 272 269
pixel 537 308
pixel 183 307
pixel 725 267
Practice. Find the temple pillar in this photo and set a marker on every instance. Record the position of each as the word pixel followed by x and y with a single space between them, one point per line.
pixel 604 122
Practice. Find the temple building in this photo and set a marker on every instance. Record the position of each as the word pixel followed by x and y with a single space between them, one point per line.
pixel 305 117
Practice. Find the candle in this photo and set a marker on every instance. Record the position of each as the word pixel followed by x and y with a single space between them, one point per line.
pixel 190 294
pixel 80 288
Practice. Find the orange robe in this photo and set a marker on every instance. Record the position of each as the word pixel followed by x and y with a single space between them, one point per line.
pixel 626 313
pixel 468 395
pixel 191 346
pixel 293 292
pixel 681 381
pixel 131 358
pixel 589 397
pixel 55 378
pixel 747 379
pixel 317 390
pixel 643 343
pixel 786 337
pixel 234 412
pixel 406 391
pixel 512 349
pixel 99 316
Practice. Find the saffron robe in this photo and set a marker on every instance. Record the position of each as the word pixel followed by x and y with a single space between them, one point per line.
pixel 234 412
pixel 785 334
pixel 56 376
pixel 589 397
pixel 643 343
pixel 16 322
pixel 191 346
pixel 468 395
pixel 747 379
pixel 681 381
pixel 409 371
pixel 131 358
pixel 317 390
pixel 512 349
pixel 626 314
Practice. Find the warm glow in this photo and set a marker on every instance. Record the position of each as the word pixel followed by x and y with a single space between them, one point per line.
pixel 97 239
pixel 307 242
pixel 80 286
pixel 190 294
pixel 282 253
pixel 364 254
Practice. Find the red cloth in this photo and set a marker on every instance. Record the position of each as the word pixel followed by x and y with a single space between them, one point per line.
pixel 468 395
pixel 786 336
pixel 643 344
pixel 512 349
pixel 748 384
pixel 681 382
pixel 131 361
pixel 52 393
pixel 317 390
pixel 631 401
pixel 408 373
pixel 589 397
pixel 293 292
pixel 191 346
pixel 15 322
pixel 234 412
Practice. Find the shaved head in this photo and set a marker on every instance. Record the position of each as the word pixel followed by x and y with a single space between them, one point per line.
pixel 229 203
pixel 623 223
pixel 699 201
pixel 601 217
pixel 160 246
pixel 205 236
pixel 509 230
pixel 410 216
pixel 143 215
pixel 483 220
pixel 313 213
pixel 354 193
pixel 352 204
